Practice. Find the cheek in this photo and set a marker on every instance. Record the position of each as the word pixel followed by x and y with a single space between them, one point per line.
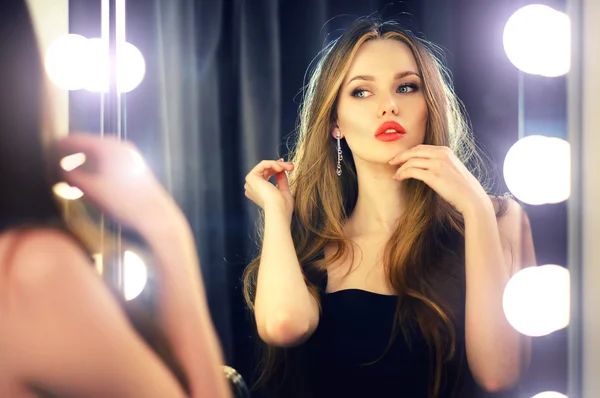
pixel 353 118
pixel 423 114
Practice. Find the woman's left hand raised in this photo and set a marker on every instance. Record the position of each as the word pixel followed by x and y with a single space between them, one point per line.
pixel 442 171
pixel 114 177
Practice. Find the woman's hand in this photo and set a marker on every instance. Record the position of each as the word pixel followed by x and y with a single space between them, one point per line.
pixel 440 169
pixel 259 190
pixel 114 177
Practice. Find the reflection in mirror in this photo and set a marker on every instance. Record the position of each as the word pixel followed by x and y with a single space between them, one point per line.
pixel 224 83
pixel 426 257
pixel 223 94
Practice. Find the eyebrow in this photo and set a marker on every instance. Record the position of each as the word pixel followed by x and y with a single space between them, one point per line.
pixel 396 77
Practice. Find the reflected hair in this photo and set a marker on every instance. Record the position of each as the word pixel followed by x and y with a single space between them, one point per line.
pixel 430 235
pixel 28 169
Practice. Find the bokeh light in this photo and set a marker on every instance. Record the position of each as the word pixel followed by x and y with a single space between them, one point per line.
pixel 536 300
pixel 74 62
pixel 65 62
pixel 549 394
pixel 135 275
pixel 537 170
pixel 130 71
pixel 537 40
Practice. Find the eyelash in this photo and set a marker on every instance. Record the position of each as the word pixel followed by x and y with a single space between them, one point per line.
pixel 414 86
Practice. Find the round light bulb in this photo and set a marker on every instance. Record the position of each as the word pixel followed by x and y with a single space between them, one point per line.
pixel 536 300
pixel 131 67
pixel 537 40
pixel 549 394
pixel 65 62
pixel 135 275
pixel 537 170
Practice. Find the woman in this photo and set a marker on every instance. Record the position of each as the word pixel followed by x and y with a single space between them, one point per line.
pixel 62 332
pixel 383 258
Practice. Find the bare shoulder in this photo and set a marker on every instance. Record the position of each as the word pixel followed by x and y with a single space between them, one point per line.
pixel 515 233
pixel 510 214
pixel 62 330
pixel 27 256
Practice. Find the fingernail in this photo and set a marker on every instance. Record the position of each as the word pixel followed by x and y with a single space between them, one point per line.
pixel 67 192
pixel 280 160
pixel 71 162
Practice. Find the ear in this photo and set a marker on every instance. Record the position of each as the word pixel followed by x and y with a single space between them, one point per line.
pixel 334 129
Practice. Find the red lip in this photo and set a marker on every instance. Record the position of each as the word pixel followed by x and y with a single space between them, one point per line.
pixel 389 137
pixel 390 125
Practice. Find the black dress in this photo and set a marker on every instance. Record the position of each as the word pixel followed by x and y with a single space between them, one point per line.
pixel 346 356
pixel 345 352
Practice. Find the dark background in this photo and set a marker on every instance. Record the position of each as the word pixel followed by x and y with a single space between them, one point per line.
pixel 221 92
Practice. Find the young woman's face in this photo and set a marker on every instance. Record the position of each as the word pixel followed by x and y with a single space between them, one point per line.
pixel 381 109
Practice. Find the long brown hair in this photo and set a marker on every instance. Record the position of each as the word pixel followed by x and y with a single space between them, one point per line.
pixel 27 170
pixel 324 201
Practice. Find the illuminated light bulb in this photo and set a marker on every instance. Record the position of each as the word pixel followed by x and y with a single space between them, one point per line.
pixel 65 62
pixel 536 300
pixel 131 67
pixel 135 275
pixel 537 170
pixel 537 40
pixel 97 66
pixel 550 394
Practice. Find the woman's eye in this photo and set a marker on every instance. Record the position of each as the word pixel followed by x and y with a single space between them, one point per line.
pixel 407 88
pixel 360 93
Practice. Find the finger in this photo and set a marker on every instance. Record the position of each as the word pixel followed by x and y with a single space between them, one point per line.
pixel 270 172
pixel 264 165
pixel 417 174
pixel 418 163
pixel 282 181
pixel 419 151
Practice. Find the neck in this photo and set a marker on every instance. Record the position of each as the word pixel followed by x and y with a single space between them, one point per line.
pixel 380 200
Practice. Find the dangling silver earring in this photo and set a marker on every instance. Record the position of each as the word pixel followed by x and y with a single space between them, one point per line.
pixel 340 157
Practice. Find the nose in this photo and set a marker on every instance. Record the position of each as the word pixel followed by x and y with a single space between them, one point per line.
pixel 388 106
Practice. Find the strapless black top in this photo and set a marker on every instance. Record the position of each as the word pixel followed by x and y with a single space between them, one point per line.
pixel 348 355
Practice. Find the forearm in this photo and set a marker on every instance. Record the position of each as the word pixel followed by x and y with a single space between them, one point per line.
pixel 493 345
pixel 284 309
pixel 184 313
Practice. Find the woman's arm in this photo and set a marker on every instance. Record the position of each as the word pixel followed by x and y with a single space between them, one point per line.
pixel 183 310
pixel 495 250
pixel 119 183
pixel 286 313
pixel 62 332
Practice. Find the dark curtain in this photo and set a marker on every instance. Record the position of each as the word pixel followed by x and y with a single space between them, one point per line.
pixel 221 93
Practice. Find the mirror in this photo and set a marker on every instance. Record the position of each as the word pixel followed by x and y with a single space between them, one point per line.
pixel 220 91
